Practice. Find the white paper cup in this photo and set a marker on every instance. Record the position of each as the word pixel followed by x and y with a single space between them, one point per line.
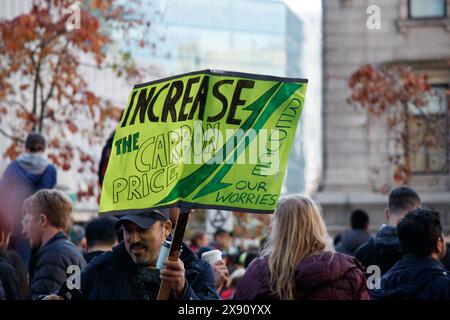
pixel 212 256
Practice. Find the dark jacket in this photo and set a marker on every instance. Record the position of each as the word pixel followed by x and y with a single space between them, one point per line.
pixel 446 260
pixel 88 256
pixel 114 276
pixel 2 291
pixel 414 277
pixel 48 267
pixel 8 278
pixel 350 240
pixel 382 250
pixel 331 276
pixel 103 164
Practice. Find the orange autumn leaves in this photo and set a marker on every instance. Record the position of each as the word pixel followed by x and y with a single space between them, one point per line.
pixel 377 89
pixel 389 92
pixel 43 87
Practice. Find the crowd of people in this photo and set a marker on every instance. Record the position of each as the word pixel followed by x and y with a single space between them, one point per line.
pixel 45 255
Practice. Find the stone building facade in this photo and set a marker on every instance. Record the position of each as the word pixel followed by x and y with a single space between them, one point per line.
pixel 355 164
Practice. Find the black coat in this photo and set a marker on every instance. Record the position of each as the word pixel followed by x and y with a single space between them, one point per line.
pixel 382 250
pixel 88 256
pixel 8 278
pixel 414 277
pixel 351 240
pixel 48 266
pixel 2 292
pixel 446 260
pixel 114 276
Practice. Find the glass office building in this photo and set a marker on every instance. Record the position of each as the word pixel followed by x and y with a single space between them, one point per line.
pixel 258 36
pixel 255 36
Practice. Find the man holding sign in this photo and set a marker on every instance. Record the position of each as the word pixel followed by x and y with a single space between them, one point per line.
pixel 206 139
pixel 129 272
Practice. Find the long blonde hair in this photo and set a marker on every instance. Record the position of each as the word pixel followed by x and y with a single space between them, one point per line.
pixel 297 231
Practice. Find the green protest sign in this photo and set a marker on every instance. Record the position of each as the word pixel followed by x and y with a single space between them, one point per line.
pixel 207 139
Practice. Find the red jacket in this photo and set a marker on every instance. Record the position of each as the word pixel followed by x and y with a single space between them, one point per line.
pixel 326 276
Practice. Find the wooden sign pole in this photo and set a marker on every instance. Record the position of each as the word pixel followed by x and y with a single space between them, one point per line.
pixel 175 250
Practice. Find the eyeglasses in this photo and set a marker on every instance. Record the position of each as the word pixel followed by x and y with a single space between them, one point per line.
pixel 25 222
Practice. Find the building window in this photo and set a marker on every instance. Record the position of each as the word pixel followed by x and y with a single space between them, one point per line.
pixel 419 9
pixel 428 133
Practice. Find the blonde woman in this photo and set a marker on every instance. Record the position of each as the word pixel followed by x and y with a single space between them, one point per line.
pixel 295 264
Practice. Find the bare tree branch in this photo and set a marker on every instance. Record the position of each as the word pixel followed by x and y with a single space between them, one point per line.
pixel 35 85
pixel 3 132
pixel 15 102
pixel 58 66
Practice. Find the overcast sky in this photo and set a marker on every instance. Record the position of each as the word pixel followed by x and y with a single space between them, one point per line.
pixel 304 5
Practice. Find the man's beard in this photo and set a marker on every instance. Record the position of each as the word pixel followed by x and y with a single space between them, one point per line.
pixel 142 257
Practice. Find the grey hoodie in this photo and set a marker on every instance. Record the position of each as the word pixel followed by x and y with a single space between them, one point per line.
pixel 34 163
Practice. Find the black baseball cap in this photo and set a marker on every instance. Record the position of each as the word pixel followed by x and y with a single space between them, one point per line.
pixel 35 142
pixel 144 220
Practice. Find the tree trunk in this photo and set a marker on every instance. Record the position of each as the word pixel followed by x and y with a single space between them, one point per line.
pixel 407 155
pixel 35 92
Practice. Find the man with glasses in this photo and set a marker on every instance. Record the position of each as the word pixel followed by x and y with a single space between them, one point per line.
pixel 45 216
